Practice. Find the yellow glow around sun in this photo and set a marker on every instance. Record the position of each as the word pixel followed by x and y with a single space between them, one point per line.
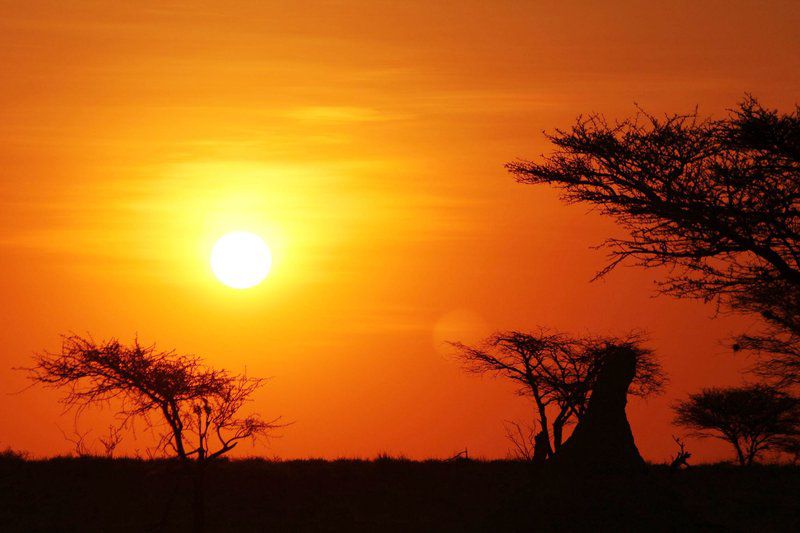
pixel 241 259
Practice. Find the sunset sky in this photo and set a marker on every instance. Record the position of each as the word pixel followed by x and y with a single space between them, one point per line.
pixel 365 142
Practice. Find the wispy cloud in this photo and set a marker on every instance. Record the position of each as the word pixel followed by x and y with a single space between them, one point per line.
pixel 341 114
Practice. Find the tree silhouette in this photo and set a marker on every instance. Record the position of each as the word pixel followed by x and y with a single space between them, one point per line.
pixel 523 441
pixel 558 372
pixel 717 201
pixel 111 440
pixel 199 405
pixel 752 418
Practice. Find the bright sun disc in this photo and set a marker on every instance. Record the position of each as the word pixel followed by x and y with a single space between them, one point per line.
pixel 240 259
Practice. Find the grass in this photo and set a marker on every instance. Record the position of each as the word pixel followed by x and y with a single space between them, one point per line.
pixel 389 494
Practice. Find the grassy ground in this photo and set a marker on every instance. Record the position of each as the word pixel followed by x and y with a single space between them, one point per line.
pixel 80 494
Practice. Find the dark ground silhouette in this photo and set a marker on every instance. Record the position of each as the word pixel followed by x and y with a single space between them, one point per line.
pixel 89 494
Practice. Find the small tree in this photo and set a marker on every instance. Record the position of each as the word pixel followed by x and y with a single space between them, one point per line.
pixel 111 441
pixel 752 418
pixel 558 372
pixel 199 405
pixel 522 439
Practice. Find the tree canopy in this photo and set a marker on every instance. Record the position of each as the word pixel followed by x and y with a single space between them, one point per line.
pixel 751 418
pixel 199 405
pixel 716 201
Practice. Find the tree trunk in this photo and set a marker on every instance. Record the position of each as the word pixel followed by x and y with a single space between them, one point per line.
pixel 177 431
pixel 751 455
pixel 739 453
pixel 558 431
pixel 541 448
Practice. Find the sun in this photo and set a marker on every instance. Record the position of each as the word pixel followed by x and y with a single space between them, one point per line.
pixel 241 259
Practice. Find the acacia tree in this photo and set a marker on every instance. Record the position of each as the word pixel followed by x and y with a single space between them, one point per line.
pixel 717 201
pixel 752 418
pixel 558 372
pixel 199 406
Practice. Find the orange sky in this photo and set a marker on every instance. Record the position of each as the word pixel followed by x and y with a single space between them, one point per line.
pixel 365 142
